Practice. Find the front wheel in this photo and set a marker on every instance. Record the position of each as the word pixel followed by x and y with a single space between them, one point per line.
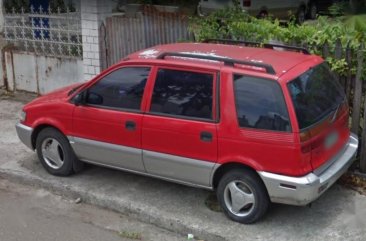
pixel 55 153
pixel 242 196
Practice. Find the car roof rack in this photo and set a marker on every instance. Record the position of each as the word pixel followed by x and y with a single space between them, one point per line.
pixel 251 43
pixel 227 61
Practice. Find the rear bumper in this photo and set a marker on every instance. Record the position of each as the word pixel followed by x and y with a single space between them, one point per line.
pixel 303 190
pixel 25 134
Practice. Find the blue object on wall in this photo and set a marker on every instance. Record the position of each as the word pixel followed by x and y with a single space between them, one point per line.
pixel 40 24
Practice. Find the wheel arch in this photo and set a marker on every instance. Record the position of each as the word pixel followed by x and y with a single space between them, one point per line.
pixel 226 167
pixel 39 128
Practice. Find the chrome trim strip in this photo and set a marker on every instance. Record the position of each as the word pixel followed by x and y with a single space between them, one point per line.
pixel 311 186
pixel 25 134
pixel 179 168
pixel 107 153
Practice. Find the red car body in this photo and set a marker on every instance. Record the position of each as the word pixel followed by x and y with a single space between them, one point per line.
pixel 295 165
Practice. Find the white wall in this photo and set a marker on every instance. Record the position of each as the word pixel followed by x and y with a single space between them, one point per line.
pixel 40 74
pixel 1 17
pixel 2 42
pixel 93 13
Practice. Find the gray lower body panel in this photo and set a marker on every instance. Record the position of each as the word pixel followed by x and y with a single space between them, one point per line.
pixel 25 134
pixel 304 190
pixel 107 154
pixel 176 167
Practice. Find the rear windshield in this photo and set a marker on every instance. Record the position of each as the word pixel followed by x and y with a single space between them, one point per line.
pixel 315 95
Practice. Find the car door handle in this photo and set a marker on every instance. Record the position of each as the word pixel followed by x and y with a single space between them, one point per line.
pixel 206 136
pixel 130 125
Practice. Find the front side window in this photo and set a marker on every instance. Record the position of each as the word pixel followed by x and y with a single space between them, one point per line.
pixel 122 88
pixel 183 93
pixel 260 104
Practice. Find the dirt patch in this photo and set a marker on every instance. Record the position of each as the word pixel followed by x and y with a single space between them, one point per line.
pixel 21 96
pixel 212 203
pixel 354 181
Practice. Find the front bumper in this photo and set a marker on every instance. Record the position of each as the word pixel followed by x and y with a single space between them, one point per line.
pixel 303 190
pixel 25 134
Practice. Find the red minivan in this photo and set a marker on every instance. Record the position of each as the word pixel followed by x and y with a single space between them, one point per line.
pixel 255 124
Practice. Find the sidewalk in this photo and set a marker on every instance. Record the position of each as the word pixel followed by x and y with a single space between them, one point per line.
pixel 340 214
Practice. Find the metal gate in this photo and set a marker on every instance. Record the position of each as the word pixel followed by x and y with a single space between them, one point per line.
pixel 122 35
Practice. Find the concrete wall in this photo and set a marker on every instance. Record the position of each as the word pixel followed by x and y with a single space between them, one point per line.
pixel 93 13
pixel 40 74
pixel 2 41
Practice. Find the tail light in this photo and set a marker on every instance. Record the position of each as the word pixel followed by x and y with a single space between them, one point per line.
pixel 307 144
pixel 247 3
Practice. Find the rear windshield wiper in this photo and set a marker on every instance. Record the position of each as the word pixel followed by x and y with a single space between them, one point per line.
pixel 336 109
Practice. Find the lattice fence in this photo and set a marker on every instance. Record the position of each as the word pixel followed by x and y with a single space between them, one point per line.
pixel 44 31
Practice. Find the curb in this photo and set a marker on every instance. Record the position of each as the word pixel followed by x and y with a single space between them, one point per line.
pixel 173 225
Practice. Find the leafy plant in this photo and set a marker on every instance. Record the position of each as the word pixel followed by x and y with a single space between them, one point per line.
pixel 235 24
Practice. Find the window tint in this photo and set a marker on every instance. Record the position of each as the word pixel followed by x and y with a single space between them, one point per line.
pixel 260 104
pixel 315 94
pixel 122 88
pixel 183 93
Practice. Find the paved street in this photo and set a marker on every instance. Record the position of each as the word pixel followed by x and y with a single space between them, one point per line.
pixel 340 214
pixel 32 214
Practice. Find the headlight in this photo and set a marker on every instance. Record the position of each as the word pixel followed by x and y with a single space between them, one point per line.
pixel 22 116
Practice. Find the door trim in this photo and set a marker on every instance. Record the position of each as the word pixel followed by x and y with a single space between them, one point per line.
pixel 177 167
pixel 201 177
pixel 107 153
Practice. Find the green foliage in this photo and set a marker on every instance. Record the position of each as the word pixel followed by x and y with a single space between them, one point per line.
pixel 236 24
pixel 339 66
pixel 357 23
pixel 338 8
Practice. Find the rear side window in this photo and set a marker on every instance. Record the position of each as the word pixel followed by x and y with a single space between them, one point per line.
pixel 183 93
pixel 260 104
pixel 122 88
pixel 315 95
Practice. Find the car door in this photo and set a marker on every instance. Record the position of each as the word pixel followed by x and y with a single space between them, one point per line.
pixel 107 126
pixel 179 137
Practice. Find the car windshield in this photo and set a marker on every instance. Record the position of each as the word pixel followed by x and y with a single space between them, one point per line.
pixel 315 95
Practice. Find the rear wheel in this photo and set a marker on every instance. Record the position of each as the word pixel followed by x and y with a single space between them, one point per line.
pixel 55 153
pixel 242 196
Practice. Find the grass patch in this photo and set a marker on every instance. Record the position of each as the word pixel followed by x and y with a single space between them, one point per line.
pixel 130 235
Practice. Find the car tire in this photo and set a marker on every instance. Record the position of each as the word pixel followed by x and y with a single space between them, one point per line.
pixel 301 15
pixel 55 153
pixel 313 11
pixel 242 196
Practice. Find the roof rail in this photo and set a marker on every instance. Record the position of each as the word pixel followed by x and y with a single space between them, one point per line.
pixel 227 61
pixel 231 41
pixel 251 43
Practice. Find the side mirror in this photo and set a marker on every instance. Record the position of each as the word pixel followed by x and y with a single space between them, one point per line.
pixel 79 99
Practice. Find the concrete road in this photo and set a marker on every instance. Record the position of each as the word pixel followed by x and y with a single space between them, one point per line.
pixel 340 214
pixel 34 214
